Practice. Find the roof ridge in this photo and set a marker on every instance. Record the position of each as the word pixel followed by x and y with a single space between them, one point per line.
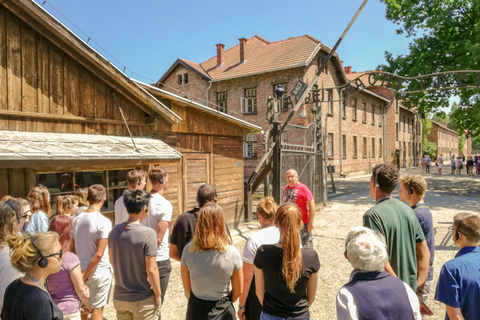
pixel 260 38
pixel 297 37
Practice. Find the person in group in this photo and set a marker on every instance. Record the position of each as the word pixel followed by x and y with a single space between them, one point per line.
pixel 27 213
pixel 427 164
pixel 458 285
pixel 470 166
pixel 133 250
pixel 90 232
pixel 285 273
pixel 299 194
pixel 453 164
pixel 67 205
pixel 81 194
pixel 39 199
pixel 66 286
pixel 209 264
pixel 459 166
pixel 37 256
pixel 249 306
pixel 477 164
pixel 407 248
pixel 373 293
pixel 412 190
pixel 9 210
pixel 136 179
pixel 159 220
pixel 23 214
pixel 184 228
pixel 424 163
pixel 440 163
pixel 67 183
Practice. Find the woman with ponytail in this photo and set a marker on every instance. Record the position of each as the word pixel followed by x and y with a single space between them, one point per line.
pixel 67 205
pixel 285 273
pixel 39 199
pixel 37 256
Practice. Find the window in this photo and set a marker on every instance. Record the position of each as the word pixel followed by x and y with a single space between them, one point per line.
pixel 283 102
pixel 408 125
pixel 354 147
pixel 344 146
pixel 380 148
pixel 250 146
pixel 330 145
pixel 373 147
pixel 408 150
pixel 404 123
pixel 373 115
pixel 381 117
pixel 249 102
pixel 183 78
pixel 396 106
pixel 364 117
pixel 396 131
pixel 354 110
pixel 222 102
pixel 364 147
pixel 329 102
pixel 343 105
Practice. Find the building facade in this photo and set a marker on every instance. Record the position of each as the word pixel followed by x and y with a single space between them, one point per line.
pixel 446 140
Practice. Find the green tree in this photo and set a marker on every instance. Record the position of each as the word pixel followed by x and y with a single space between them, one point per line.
pixel 427 146
pixel 445 37
pixel 461 142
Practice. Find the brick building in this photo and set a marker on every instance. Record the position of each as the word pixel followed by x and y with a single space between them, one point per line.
pixel 446 140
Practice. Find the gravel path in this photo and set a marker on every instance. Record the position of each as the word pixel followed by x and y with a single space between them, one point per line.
pixel 446 195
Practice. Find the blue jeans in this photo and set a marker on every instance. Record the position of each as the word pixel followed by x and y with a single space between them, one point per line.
pixel 266 316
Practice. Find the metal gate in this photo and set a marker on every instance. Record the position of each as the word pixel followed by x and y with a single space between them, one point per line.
pixel 297 151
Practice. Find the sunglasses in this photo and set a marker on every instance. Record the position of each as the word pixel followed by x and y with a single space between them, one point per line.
pixel 59 254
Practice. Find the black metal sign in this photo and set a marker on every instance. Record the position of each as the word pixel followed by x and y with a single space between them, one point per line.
pixel 299 89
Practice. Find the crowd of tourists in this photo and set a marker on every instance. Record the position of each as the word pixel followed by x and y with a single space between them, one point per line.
pixel 457 164
pixel 62 267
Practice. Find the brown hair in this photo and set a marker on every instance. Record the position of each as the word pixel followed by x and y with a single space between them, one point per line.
pixel 39 199
pixel 416 182
pixel 289 219
pixel 96 193
pixel 133 176
pixel 24 255
pixel 385 177
pixel 210 232
pixel 157 173
pixel 468 224
pixel 82 194
pixel 62 203
pixel 8 220
pixel 267 208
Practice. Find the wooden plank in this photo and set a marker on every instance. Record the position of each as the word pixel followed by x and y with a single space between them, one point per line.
pixel 14 64
pixel 3 177
pixel 100 99
pixel 43 76
pixel 87 94
pixel 72 88
pixel 29 69
pixel 16 183
pixel 56 81
pixel 3 60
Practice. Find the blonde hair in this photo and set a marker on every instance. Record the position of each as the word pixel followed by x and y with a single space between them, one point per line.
pixel 8 221
pixel 24 255
pixel 82 193
pixel 267 208
pixel 289 219
pixel 63 202
pixel 210 232
pixel 416 182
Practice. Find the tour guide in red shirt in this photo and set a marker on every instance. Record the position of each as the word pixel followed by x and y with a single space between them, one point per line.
pixel 298 193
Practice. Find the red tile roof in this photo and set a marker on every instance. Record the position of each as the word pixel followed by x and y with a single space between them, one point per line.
pixel 198 68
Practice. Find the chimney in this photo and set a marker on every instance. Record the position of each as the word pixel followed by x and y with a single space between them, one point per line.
pixel 220 56
pixel 242 49
pixel 348 70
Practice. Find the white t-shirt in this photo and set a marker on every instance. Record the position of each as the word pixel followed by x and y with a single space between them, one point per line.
pixel 88 228
pixel 121 214
pixel 270 235
pixel 7 271
pixel 160 210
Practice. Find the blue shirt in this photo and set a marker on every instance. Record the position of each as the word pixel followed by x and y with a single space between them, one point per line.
pixel 424 216
pixel 38 222
pixel 459 283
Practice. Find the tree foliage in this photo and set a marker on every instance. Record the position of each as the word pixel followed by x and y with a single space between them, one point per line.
pixel 427 146
pixel 445 37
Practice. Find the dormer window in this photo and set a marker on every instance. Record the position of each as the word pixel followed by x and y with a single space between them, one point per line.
pixel 183 78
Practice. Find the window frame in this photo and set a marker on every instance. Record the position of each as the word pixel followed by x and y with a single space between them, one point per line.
pixel 249 97
pixel 222 104
pixel 330 145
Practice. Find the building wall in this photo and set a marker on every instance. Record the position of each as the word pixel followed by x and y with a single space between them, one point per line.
pixel 445 139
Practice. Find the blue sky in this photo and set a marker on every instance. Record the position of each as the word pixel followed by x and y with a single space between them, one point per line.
pixel 147 36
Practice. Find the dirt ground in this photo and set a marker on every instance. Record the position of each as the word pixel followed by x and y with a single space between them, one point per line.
pixel 446 195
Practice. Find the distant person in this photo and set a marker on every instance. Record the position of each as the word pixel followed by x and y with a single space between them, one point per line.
pixel 36 256
pixel 133 250
pixel 39 199
pixel 249 306
pixel 427 164
pixel 373 293
pixel 459 166
pixel 477 164
pixel 184 228
pixel 470 164
pixel 407 249
pixel 158 219
pixel 209 264
pixel 424 163
pixel 412 190
pixel 90 232
pixel 67 205
pixel 67 183
pixel 136 179
pixel 81 194
pixel 458 285
pixel 297 193
pixel 66 286
pixel 440 163
pixel 453 164
pixel 286 274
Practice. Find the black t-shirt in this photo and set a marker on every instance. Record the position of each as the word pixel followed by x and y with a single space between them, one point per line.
pixel 279 301
pixel 26 302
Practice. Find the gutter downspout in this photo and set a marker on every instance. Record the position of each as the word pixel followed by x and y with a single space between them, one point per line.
pixel 210 84
pixel 340 117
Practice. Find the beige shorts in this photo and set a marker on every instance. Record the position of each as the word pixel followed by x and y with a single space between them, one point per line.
pixel 144 309
pixel 72 316
pixel 99 285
